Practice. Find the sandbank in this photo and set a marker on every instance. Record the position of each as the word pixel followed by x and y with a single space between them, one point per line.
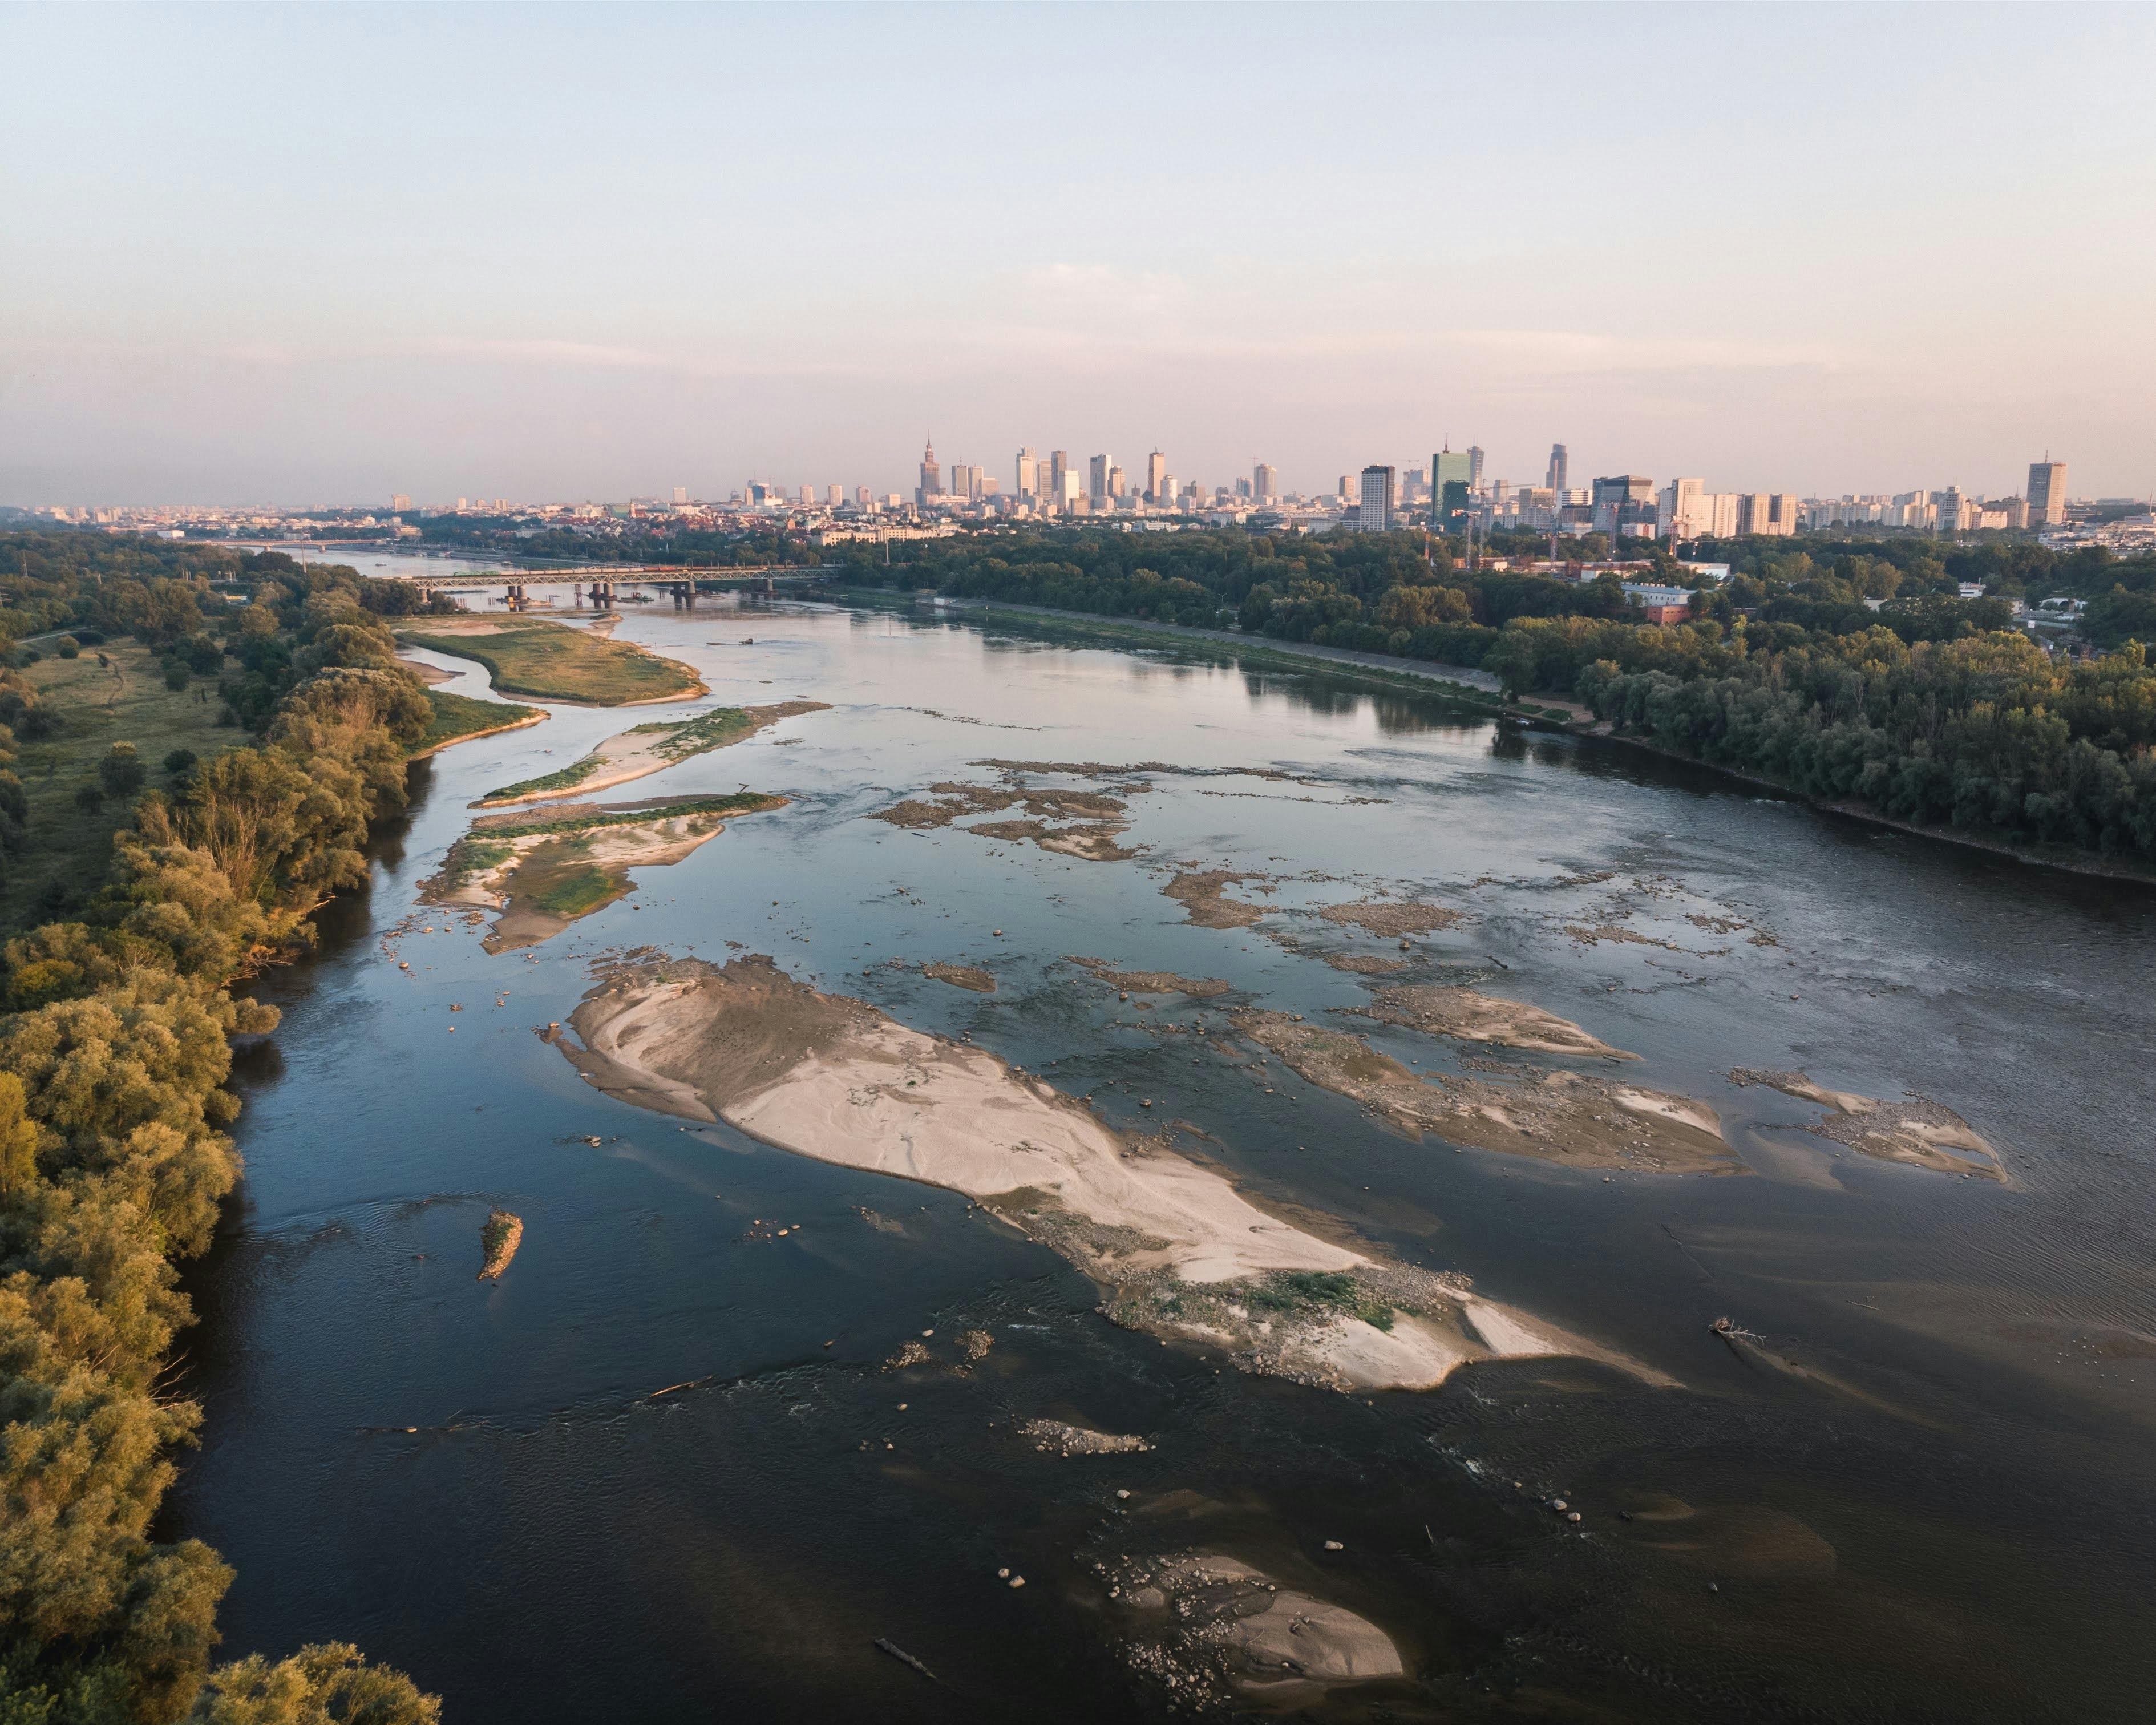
pixel 1153 982
pixel 646 749
pixel 1218 1624
pixel 1202 893
pixel 1915 1131
pixel 1094 820
pixel 498 1241
pixel 1391 917
pixel 1178 1250
pixel 543 873
pixel 1567 1117
pixel 1466 1016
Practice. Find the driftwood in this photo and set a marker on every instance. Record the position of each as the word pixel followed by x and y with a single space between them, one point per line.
pixel 905 1658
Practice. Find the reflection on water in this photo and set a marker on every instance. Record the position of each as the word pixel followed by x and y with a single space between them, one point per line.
pixel 1913 1489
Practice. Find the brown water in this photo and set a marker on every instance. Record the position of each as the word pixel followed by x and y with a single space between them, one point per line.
pixel 1936 1505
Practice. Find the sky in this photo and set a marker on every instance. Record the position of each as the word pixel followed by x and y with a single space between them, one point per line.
pixel 325 254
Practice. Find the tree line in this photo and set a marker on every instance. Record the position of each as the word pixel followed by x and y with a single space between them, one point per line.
pixel 1848 670
pixel 116 1029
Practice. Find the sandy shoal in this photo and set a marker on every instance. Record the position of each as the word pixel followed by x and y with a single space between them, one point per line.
pixel 1178 1248
pixel 636 753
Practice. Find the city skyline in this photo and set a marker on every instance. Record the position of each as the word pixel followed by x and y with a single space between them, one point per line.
pixel 1758 242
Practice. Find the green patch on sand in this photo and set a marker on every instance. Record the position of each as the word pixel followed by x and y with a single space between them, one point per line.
pixel 460 717
pixel 551 661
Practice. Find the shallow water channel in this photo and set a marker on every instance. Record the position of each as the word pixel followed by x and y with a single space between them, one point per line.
pixel 1921 1491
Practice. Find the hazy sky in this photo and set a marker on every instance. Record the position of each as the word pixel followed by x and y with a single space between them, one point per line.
pixel 323 254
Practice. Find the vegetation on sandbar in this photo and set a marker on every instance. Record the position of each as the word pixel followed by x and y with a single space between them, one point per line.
pixel 552 661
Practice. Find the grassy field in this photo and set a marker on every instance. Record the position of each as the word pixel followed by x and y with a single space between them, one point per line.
pixel 124 701
pixel 457 717
pixel 551 661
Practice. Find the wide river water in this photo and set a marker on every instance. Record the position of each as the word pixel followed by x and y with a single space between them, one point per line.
pixel 1923 1493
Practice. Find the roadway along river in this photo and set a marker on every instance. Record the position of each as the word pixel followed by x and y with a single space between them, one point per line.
pixel 1912 1482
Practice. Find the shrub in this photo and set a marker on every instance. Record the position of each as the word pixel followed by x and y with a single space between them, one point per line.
pixel 176 677
pixel 179 760
pixel 67 647
pixel 89 799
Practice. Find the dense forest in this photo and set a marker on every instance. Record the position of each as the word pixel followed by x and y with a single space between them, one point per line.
pixel 116 1025
pixel 1846 671
pixel 644 539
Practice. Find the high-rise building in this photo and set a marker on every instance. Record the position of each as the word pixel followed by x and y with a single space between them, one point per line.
pixel 1474 467
pixel 400 503
pixel 680 494
pixel 932 475
pixel 835 495
pixel 1452 480
pixel 1029 473
pixel 1685 515
pixel 1117 483
pixel 1346 488
pixel 1264 481
pixel 1376 514
pixel 862 496
pixel 808 494
pixel 962 480
pixel 1155 478
pixel 1951 506
pixel 1771 513
pixel 1059 474
pixel 1098 486
pixel 2047 493
pixel 1557 471
pixel 1615 495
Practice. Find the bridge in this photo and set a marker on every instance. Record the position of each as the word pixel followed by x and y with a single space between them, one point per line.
pixel 682 585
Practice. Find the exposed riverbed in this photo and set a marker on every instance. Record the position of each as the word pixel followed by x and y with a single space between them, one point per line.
pixel 1384 1033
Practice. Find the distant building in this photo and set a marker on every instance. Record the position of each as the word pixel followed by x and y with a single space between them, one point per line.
pixel 1029 473
pixel 1155 489
pixel 1618 502
pixel 1059 475
pixel 1098 487
pixel 1264 481
pixel 1685 513
pixel 1451 481
pixel 1346 488
pixel 862 496
pixel 1376 513
pixel 2047 493
pixel 400 503
pixel 932 475
pixel 833 495
pixel 1474 467
pixel 1770 513
pixel 1951 509
pixel 680 494
pixel 1556 481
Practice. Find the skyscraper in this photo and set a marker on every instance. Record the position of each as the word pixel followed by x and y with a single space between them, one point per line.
pixel 1264 481
pixel 1098 487
pixel 1557 466
pixel 862 496
pixel 680 494
pixel 1474 467
pixel 1618 501
pixel 1375 516
pixel 1451 479
pixel 1059 470
pixel 2047 493
pixel 932 475
pixel 1115 483
pixel 1029 473
pixel 1156 477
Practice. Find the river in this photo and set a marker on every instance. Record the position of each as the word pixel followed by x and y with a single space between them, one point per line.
pixel 1921 1493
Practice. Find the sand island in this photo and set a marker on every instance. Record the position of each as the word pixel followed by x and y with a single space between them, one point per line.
pixel 644 749
pixel 544 871
pixel 554 661
pixel 1178 1250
